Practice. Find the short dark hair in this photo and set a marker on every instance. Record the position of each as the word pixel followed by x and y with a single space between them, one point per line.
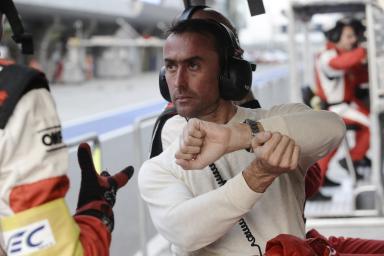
pixel 334 34
pixel 210 28
pixel 204 12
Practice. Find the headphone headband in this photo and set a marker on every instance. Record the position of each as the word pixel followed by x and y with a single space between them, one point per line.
pixel 231 40
pixel 188 12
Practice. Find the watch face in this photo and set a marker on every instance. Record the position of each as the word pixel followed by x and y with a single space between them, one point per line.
pixel 254 130
pixel 253 125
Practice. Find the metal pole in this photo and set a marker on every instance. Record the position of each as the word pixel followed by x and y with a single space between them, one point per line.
pixel 293 81
pixel 140 159
pixel 376 139
pixel 141 206
pixel 97 153
pixel 306 56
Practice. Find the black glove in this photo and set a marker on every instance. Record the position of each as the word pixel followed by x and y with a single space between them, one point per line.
pixel 98 192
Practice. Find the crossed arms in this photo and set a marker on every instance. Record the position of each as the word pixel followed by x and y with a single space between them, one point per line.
pixel 192 216
pixel 203 143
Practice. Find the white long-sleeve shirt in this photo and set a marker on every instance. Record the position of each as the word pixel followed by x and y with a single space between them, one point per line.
pixel 200 218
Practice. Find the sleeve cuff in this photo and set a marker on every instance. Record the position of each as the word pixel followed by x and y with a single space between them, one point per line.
pixel 240 195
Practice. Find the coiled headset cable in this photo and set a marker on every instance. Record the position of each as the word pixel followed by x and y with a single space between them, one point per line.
pixel 243 225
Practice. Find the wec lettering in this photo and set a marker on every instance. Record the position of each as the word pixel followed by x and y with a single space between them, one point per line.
pixel 16 241
pixel 29 239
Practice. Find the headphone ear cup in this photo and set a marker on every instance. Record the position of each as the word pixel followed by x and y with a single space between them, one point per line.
pixel 225 87
pixel 235 83
pixel 163 86
pixel 335 35
pixel 188 12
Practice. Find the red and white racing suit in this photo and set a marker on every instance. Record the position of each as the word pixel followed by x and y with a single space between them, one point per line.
pixel 338 74
pixel 34 217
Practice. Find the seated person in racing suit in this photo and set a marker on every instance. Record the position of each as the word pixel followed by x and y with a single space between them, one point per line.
pixel 340 69
pixel 34 217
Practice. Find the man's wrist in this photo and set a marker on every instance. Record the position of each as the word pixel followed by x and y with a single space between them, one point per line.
pixel 99 209
pixel 240 137
pixel 258 181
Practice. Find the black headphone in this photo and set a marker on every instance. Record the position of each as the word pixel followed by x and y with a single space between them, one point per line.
pixel 235 78
pixel 190 10
pixel 334 34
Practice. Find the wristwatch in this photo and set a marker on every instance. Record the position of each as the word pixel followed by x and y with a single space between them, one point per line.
pixel 255 128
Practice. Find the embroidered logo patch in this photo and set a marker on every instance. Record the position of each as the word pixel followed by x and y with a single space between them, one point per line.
pixel 29 239
pixel 52 138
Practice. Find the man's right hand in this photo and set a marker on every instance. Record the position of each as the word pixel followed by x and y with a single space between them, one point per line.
pixel 201 144
pixel 275 154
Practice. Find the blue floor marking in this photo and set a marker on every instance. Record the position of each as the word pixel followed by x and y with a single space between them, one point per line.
pixel 112 122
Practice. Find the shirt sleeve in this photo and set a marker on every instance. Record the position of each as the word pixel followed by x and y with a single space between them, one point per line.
pixel 182 217
pixel 316 132
pixel 349 59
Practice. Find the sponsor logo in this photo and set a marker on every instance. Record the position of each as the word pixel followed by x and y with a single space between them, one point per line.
pixel 29 239
pixel 52 138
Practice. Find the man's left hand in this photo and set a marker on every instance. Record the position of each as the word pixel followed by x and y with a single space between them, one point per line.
pixel 98 192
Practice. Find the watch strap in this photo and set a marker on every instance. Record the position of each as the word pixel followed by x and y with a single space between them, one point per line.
pixel 254 125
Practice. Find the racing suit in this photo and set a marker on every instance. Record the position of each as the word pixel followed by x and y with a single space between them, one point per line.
pixel 34 217
pixel 338 74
